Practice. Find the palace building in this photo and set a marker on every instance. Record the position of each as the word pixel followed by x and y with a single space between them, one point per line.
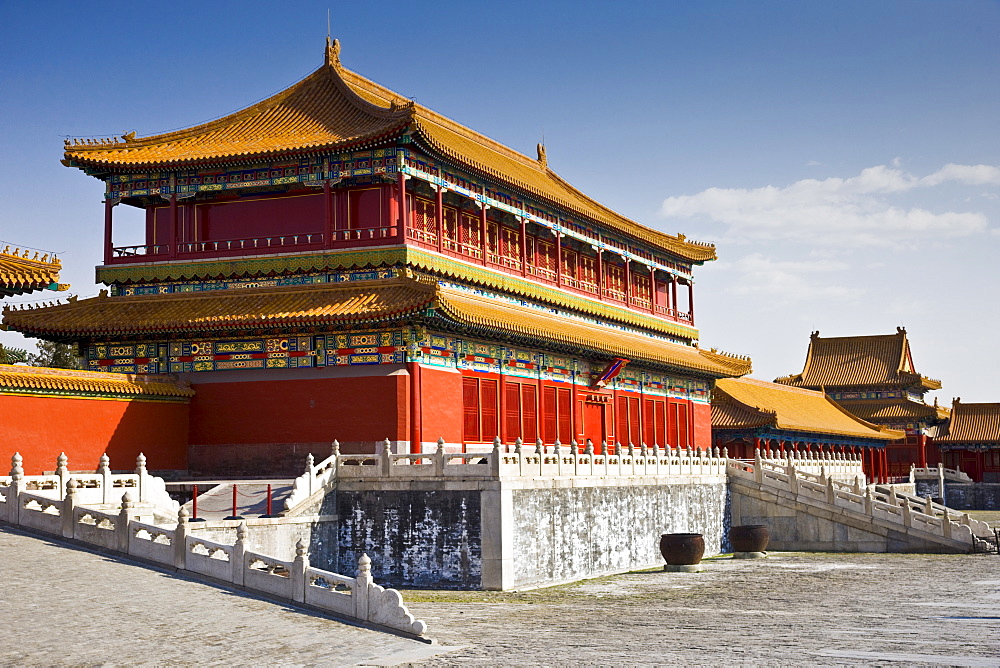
pixel 750 415
pixel 22 273
pixel 339 262
pixel 873 377
pixel 971 440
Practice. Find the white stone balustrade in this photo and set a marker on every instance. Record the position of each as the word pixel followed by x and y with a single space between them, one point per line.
pixel 935 472
pixel 883 504
pixel 519 460
pixel 121 530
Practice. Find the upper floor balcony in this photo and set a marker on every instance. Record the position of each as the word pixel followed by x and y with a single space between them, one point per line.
pixel 312 220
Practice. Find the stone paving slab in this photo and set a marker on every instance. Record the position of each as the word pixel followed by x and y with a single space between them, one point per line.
pixel 62 605
pixel 789 609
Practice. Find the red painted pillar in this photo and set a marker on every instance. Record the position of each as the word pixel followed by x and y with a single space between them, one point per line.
pixel 691 301
pixel 559 259
pixel 628 281
pixel 600 273
pixel 524 247
pixel 328 215
pixel 416 433
pixel 673 291
pixel 403 220
pixel 439 217
pixel 652 289
pixel 482 229
pixel 172 248
pixel 108 207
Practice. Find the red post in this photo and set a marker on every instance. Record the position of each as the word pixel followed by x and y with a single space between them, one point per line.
pixel 628 281
pixel 691 301
pixel 524 247
pixel 328 215
pixel 416 430
pixel 673 290
pixel 439 217
pixel 234 500
pixel 172 249
pixel 600 274
pixel 194 504
pixel 559 259
pixel 269 500
pixel 108 208
pixel 482 227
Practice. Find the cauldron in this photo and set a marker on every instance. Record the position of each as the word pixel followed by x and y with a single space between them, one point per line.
pixel 749 538
pixel 682 549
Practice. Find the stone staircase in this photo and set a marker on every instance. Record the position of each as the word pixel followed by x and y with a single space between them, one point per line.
pixel 814 511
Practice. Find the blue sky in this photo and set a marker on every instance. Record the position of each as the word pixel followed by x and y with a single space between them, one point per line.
pixel 844 156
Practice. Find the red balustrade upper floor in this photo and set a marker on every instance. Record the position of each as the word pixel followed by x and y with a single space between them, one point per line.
pixel 311 221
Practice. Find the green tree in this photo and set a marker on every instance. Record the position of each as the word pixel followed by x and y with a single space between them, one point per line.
pixel 56 355
pixel 12 355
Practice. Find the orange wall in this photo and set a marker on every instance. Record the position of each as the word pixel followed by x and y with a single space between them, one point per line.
pixel 368 408
pixel 702 426
pixel 42 427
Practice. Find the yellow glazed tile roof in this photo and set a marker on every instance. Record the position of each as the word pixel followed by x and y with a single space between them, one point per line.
pixel 501 316
pixel 221 310
pixel 859 360
pixel 877 410
pixel 790 408
pixel 334 107
pixel 40 380
pixel 22 272
pixel 979 422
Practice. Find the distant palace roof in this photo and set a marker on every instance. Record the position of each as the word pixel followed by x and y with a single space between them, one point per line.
pixel 333 109
pixel 43 380
pixel 972 422
pixel 20 272
pixel 741 403
pixel 223 311
pixel 859 361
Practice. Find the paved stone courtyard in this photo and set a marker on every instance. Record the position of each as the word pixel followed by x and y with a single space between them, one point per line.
pixel 65 606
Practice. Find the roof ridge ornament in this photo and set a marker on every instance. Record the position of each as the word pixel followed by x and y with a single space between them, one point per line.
pixel 332 52
pixel 543 160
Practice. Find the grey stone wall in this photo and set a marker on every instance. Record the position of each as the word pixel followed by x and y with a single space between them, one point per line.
pixel 415 537
pixel 569 533
pixel 964 496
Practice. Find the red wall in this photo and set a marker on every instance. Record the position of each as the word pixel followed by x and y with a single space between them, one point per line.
pixel 294 417
pixel 440 405
pixel 702 426
pixel 42 427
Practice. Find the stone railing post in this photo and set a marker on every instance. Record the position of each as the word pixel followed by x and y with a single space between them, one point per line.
pixel 907 513
pixel 946 524
pixel 520 459
pixel 62 471
pixel 180 539
pixel 238 555
pixel 142 473
pixel 574 452
pixel 439 459
pixel 335 453
pixel 104 470
pixel 362 584
pixel 913 477
pixel 793 481
pixel 495 457
pixel 68 511
pixel 540 451
pixel 125 516
pixel 831 492
pixel 298 574
pixel 869 501
pixel 310 474
pixel 558 451
pixel 944 499
pixel 758 469
pixel 385 458
pixel 15 489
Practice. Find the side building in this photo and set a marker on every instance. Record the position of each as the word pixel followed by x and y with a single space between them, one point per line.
pixel 750 415
pixel 339 262
pixel 971 440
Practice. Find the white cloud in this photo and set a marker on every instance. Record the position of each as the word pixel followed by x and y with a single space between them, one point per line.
pixel 783 282
pixel 858 209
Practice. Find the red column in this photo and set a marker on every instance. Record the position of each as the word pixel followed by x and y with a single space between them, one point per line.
pixel 416 437
pixel 172 249
pixel 628 281
pixel 600 274
pixel 673 294
pixel 691 301
pixel 524 247
pixel 559 259
pixel 652 289
pixel 328 215
pixel 403 220
pixel 482 228
pixel 439 217
pixel 108 207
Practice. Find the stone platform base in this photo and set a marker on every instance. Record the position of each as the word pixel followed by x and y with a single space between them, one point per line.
pixel 669 568
pixel 749 555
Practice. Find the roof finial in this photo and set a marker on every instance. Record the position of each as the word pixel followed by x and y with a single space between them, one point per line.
pixel 542 158
pixel 332 52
